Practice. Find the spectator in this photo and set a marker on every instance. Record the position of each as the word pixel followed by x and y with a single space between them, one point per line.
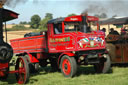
pixel 112 31
pixel 103 29
pixel 58 29
pixel 123 31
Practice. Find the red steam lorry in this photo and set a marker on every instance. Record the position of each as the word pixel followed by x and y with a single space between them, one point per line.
pixel 69 42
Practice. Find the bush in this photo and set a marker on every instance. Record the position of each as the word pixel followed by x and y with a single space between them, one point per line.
pixel 17 28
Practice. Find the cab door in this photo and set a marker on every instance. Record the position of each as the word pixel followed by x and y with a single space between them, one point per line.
pixel 60 41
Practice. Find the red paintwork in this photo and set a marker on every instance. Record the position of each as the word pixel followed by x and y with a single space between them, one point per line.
pixel 32 59
pixel 66 66
pixel 73 18
pixel 69 54
pixel 29 45
pixel 79 18
pixel 13 15
pixel 21 71
pixel 2 74
pixel 92 18
pixel 57 43
pixel 65 42
pixel 9 15
pixel 42 55
pixel 3 65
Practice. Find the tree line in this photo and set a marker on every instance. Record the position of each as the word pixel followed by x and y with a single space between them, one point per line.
pixel 37 23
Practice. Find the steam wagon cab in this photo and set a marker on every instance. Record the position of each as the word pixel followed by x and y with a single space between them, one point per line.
pixel 69 42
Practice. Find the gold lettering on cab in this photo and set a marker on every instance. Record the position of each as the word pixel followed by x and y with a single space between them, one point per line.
pixel 65 39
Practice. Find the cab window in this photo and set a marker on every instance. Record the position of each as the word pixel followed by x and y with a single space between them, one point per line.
pixel 72 27
pixel 57 28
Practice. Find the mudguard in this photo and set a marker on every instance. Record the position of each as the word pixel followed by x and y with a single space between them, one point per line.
pixel 32 59
pixel 66 53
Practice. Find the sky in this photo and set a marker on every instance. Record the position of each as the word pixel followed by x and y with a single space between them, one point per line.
pixel 61 8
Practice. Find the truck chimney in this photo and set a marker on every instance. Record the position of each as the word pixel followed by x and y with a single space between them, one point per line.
pixel 84 22
pixel 1 26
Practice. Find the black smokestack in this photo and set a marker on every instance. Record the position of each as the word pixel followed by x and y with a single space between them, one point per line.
pixel 1 25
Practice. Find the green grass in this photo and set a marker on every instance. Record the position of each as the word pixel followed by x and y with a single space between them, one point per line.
pixel 84 76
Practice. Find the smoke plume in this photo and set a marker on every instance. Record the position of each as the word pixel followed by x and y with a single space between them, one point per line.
pixel 13 3
pixel 94 8
pixel 118 6
pixel 111 7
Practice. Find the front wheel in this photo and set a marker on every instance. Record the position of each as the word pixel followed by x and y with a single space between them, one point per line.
pixel 104 65
pixel 68 66
pixel 22 70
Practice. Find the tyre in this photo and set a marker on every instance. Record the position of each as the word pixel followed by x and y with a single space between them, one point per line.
pixel 6 53
pixel 68 66
pixel 33 67
pixel 104 65
pixel 22 68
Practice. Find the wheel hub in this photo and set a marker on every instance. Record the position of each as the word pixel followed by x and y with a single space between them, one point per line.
pixel 3 53
pixel 66 66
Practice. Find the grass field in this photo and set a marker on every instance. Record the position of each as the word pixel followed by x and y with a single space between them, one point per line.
pixel 85 76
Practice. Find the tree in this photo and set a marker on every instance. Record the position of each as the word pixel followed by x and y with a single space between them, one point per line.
pixel 71 15
pixel 23 22
pixel 49 15
pixel 35 21
pixel 43 22
pixel 103 15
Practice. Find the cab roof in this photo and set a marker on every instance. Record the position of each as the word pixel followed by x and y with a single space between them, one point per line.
pixel 72 18
pixel 57 20
pixel 9 15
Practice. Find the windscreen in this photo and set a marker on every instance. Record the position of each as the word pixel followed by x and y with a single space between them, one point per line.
pixel 72 26
pixel 77 26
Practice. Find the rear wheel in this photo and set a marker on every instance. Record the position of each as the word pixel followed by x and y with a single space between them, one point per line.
pixel 104 65
pixel 68 66
pixel 33 67
pixel 22 69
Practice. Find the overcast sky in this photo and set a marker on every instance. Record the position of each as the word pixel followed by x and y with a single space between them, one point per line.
pixel 64 7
